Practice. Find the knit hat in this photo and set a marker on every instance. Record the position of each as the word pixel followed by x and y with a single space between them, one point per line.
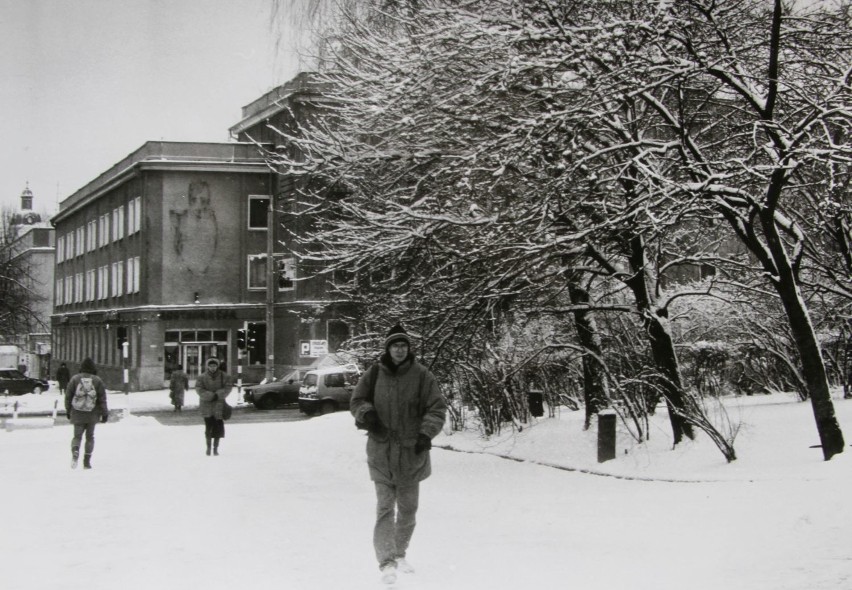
pixel 212 361
pixel 397 334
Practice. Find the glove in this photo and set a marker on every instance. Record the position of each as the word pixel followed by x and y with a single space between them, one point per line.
pixel 104 418
pixel 424 443
pixel 371 420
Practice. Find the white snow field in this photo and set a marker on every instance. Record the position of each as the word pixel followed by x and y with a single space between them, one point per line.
pixel 290 505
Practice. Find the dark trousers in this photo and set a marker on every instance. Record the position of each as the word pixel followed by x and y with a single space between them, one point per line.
pixel 89 430
pixel 396 511
pixel 214 428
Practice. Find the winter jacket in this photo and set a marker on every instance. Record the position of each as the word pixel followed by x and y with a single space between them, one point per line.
pixel 408 403
pixel 212 391
pixel 62 376
pixel 178 383
pixel 93 417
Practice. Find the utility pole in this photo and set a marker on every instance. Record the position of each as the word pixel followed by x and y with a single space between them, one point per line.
pixel 270 288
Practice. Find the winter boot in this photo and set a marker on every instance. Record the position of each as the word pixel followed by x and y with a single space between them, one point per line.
pixel 216 446
pixel 389 573
pixel 75 456
pixel 404 566
pixel 87 461
pixel 209 442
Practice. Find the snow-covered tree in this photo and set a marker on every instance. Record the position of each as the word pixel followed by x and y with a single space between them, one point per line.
pixel 498 148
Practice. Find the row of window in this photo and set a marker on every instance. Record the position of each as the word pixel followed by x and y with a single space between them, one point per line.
pixel 113 280
pixel 96 233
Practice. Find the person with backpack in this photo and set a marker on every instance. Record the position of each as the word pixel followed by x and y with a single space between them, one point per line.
pixel 399 403
pixel 85 406
pixel 213 386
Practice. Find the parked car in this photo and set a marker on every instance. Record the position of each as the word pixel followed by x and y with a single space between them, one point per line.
pixel 16 383
pixel 328 390
pixel 267 396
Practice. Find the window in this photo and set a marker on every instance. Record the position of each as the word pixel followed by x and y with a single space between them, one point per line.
pixel 133 274
pixel 60 249
pixel 103 230
pixel 257 272
pixel 92 236
pixel 286 273
pixel 78 288
pixel 69 245
pixel 118 223
pixel 258 211
pixel 134 216
pixel 69 293
pixel 103 281
pixel 117 279
pixel 60 286
pixel 90 284
pixel 81 240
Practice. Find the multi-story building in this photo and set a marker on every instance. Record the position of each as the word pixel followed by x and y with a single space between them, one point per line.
pixel 167 251
pixel 32 244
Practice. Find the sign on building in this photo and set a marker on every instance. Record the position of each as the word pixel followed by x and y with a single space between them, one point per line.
pixel 313 348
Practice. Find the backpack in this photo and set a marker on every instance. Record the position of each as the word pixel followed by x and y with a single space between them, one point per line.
pixel 372 376
pixel 85 396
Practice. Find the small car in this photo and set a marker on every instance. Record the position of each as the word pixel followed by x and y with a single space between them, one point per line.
pixel 13 382
pixel 267 396
pixel 327 390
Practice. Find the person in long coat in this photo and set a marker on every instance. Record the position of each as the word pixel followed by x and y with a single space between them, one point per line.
pixel 84 421
pixel 402 406
pixel 213 387
pixel 63 375
pixel 178 384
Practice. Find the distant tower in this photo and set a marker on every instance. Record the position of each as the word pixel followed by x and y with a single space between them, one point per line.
pixel 27 199
pixel 26 216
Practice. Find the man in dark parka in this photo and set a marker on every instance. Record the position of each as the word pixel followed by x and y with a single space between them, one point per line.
pixel 406 412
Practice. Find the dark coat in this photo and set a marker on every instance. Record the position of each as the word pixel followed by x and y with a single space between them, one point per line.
pixel 212 391
pixel 408 403
pixel 62 376
pixel 178 384
pixel 93 417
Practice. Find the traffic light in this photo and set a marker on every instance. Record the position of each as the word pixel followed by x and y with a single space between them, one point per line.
pixel 251 337
pixel 241 339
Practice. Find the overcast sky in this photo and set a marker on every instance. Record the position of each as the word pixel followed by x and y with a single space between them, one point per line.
pixel 83 83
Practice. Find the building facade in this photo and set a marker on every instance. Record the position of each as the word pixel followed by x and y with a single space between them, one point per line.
pixel 167 252
pixel 33 245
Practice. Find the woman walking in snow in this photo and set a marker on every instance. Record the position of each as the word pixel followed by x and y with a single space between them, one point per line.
pixel 178 384
pixel 399 402
pixel 213 386
pixel 85 405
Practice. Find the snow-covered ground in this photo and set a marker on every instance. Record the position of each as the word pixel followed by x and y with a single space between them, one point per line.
pixel 290 505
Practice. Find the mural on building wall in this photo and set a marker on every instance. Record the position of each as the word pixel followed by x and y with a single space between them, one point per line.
pixel 195 231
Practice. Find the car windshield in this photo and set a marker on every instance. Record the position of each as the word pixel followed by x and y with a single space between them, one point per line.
pixel 11 374
pixel 310 379
pixel 293 375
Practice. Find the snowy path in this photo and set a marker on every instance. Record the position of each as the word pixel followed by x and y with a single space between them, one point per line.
pixel 291 506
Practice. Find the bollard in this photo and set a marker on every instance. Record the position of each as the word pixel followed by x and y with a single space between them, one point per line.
pixel 606 435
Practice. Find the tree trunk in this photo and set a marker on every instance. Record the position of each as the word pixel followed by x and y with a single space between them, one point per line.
pixel 813 365
pixel 662 345
pixel 595 384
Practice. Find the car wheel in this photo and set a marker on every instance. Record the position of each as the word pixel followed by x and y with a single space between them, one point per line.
pixel 267 402
pixel 37 390
pixel 328 407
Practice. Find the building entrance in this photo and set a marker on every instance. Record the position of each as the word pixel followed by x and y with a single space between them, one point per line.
pixel 191 349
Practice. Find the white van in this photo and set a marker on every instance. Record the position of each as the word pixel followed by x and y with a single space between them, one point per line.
pixel 328 389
